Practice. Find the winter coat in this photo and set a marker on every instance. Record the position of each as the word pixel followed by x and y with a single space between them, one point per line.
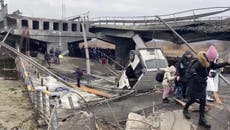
pixel 78 73
pixel 182 66
pixel 57 52
pixel 168 75
pixel 198 75
pixel 47 57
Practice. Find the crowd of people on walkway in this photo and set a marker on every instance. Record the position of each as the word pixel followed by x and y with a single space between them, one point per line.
pixel 99 54
pixel 194 80
pixel 53 56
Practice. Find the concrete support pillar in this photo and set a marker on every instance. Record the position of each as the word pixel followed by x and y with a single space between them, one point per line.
pixel 122 51
pixel 78 27
pixel 40 25
pixel 64 49
pixel 86 27
pixel 30 24
pixel 123 46
pixel 19 23
pixel 60 26
pixel 17 45
pixel 69 27
pixel 51 26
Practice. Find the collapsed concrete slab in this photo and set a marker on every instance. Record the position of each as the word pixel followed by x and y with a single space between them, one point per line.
pixel 136 121
pixel 76 120
pixel 171 120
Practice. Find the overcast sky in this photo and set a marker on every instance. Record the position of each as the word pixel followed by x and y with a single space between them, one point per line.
pixel 53 8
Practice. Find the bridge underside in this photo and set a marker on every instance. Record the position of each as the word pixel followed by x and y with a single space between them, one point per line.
pixel 122 47
pixel 122 38
pixel 189 34
pixel 42 42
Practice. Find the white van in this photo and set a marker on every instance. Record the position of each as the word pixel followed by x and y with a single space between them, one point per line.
pixel 141 71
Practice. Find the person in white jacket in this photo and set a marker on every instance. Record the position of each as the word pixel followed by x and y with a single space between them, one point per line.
pixel 212 83
pixel 169 77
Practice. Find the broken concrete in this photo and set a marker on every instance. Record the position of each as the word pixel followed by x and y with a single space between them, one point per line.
pixel 76 120
pixel 171 120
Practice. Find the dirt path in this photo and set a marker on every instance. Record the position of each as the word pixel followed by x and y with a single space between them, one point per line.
pixel 15 107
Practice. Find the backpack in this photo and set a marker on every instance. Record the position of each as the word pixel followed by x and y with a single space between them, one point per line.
pixel 160 76
pixel 188 73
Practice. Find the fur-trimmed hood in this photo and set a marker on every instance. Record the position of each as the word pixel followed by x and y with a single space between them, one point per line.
pixel 201 56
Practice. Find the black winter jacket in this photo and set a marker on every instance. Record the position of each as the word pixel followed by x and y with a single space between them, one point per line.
pixel 182 66
pixel 198 76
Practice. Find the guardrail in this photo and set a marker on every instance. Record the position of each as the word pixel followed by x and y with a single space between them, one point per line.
pixel 44 101
pixel 169 18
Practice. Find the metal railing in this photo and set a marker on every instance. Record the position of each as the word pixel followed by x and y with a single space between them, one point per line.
pixel 43 101
pixel 174 18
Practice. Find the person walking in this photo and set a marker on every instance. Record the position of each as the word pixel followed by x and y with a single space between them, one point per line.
pixel 181 68
pixel 56 54
pixel 79 74
pixel 197 75
pixel 169 77
pixel 46 58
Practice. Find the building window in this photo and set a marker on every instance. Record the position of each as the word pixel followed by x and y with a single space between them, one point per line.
pixel 74 27
pixel 24 23
pixel 36 25
pixel 65 26
pixel 46 25
pixel 56 26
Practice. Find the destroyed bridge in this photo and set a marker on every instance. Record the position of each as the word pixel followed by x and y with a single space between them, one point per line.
pixel 43 34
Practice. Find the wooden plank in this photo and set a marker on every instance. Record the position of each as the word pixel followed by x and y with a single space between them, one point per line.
pixel 95 91
pixel 92 90
pixel 9 69
pixel 194 107
pixel 215 105
pixel 217 98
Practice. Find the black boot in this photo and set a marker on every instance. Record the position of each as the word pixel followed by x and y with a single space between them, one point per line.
pixel 165 100
pixel 203 122
pixel 186 114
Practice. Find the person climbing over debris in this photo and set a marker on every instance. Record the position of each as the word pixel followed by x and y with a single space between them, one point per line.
pixel 197 76
pixel 51 53
pixel 78 73
pixel 46 58
pixel 181 68
pixel 169 77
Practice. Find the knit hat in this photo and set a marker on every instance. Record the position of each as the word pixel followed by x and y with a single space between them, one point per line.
pixel 212 53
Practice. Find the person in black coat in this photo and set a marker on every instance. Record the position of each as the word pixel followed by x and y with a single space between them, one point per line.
pixel 198 73
pixel 181 68
pixel 79 74
pixel 46 58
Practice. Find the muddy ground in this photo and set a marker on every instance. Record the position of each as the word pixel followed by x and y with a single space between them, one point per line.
pixel 15 107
